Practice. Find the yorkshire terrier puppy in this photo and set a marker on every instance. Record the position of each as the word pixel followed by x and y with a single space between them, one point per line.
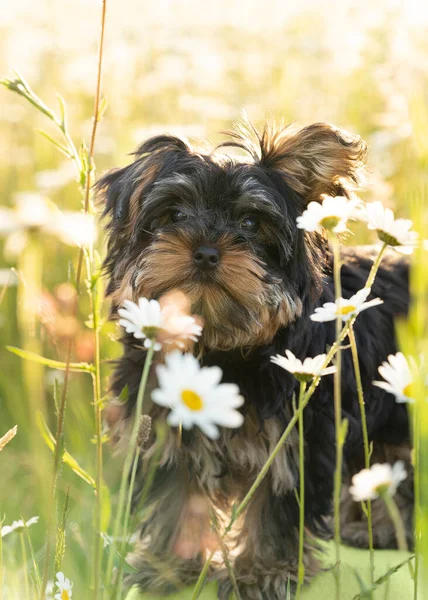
pixel 223 231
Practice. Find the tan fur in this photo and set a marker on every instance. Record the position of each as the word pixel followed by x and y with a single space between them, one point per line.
pixel 238 282
pixel 260 574
pixel 178 527
pixel 317 159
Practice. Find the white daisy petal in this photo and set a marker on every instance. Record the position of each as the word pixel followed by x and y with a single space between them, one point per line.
pixel 395 233
pixel 344 307
pixel 147 320
pixel 398 377
pixel 196 396
pixel 371 483
pixel 310 368
pixel 332 214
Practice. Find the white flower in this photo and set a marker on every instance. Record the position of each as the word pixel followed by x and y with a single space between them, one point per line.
pixel 306 370
pixel 395 232
pixel 371 483
pixel 196 396
pixel 151 321
pixel 143 320
pixel 64 587
pixel 18 526
pixel 398 377
pixel 346 308
pixel 333 214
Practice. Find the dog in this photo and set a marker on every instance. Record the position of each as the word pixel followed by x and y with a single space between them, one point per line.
pixel 223 231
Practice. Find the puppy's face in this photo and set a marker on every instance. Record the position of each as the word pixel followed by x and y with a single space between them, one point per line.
pixel 221 231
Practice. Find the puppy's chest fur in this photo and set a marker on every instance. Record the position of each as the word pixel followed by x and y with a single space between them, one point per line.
pixel 230 464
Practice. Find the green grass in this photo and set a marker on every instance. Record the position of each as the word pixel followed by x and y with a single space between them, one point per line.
pixel 192 72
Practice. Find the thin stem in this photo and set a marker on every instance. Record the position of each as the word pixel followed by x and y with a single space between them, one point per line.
pixel 337 414
pixel 96 379
pixel 129 461
pixel 202 576
pixel 301 569
pixel 360 392
pixel 375 266
pixel 417 492
pixel 62 407
pixel 397 521
pixel 126 519
pixel 24 562
pixel 294 419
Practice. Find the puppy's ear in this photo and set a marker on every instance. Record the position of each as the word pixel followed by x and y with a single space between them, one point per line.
pixel 123 190
pixel 315 160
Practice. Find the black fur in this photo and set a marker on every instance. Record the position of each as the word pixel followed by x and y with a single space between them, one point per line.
pixel 217 195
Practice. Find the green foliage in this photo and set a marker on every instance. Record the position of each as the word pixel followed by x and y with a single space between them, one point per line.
pixel 289 67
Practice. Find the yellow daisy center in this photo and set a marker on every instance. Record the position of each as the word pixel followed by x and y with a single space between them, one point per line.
pixel 192 400
pixel 330 222
pixel 65 595
pixel 345 310
pixel 407 391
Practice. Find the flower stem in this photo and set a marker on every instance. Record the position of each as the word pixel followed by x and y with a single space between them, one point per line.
pixel 301 568
pixel 397 521
pixel 95 294
pixel 62 408
pixel 130 461
pixel 375 266
pixel 360 392
pixel 294 419
pixel 337 414
pixel 417 492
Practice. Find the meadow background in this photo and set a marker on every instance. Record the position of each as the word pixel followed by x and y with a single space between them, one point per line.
pixel 186 67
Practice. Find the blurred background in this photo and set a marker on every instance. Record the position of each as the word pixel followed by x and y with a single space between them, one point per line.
pixel 186 67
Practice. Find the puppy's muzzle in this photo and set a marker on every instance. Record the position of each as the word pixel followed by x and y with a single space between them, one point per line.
pixel 206 258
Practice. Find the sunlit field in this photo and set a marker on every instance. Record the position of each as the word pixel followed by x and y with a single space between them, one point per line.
pixel 190 69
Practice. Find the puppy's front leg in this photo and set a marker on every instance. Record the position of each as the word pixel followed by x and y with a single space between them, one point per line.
pixel 268 561
pixel 174 535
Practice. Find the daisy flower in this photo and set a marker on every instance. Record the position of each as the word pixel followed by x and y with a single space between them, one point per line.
pixel 333 214
pixel 64 587
pixel 398 377
pixel 196 396
pixel 371 483
pixel 394 232
pixel 18 526
pixel 143 320
pixel 306 370
pixel 155 322
pixel 345 308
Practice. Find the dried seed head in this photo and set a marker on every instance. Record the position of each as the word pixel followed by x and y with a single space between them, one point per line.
pixel 144 431
pixel 8 436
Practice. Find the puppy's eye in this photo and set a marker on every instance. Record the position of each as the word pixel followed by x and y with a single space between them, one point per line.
pixel 177 216
pixel 249 223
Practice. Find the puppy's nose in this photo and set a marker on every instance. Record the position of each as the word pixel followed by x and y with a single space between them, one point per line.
pixel 206 258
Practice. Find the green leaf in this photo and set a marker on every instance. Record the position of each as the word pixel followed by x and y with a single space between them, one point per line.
pixel 57 145
pixel 60 535
pixel 33 556
pixel 102 108
pixel 124 395
pixel 343 431
pixel 66 456
pixel 62 111
pixel 366 590
pixel 105 507
pixel 48 362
